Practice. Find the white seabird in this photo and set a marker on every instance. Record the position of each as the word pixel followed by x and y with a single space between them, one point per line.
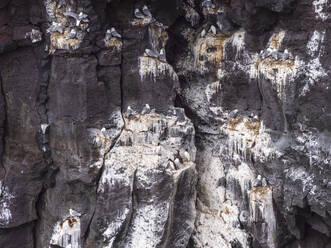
pixel 138 14
pixel 146 109
pixel 130 111
pixel 203 33
pixel 71 34
pixel 257 181
pixel 55 27
pixel 114 33
pixel 162 55
pixel 150 53
pixel 146 11
pixel 212 29
pixel 44 127
pixel 108 35
pixel 208 4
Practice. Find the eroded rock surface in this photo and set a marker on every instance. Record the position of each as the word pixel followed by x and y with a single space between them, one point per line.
pixel 190 123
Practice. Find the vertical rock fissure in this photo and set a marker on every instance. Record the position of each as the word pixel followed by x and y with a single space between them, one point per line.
pixel 43 134
pixel 3 140
pixel 114 140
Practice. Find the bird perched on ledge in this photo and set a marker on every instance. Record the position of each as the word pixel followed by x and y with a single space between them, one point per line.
pixel 72 34
pixel 114 33
pixel 150 53
pixel 146 11
pixel 162 56
pixel 208 4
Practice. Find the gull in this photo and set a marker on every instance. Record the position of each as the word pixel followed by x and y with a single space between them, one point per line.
pixel 114 33
pixel 44 127
pixel 80 17
pixel 177 162
pixel 108 35
pixel 186 156
pixel 233 113
pixel 146 11
pixel 55 27
pixel 130 111
pixel 162 55
pixel 208 4
pixel 71 34
pixel 146 109
pixel 35 35
pixel 212 29
pixel 150 53
pixel 285 55
pixel 203 33
pixel 257 181
pixel 138 14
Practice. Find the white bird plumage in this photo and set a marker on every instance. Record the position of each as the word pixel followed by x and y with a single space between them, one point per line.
pixel 138 14
pixel 146 11
pixel 72 34
pixel 150 53
pixel 114 33
pixel 212 29
pixel 203 33
pixel 146 109
pixel 162 55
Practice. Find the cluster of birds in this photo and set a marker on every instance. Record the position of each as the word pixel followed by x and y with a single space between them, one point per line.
pixel 112 33
pixel 73 33
pixel 161 56
pixel 145 13
pixel 259 181
pixel 208 4
pixel 35 35
pixel 275 54
pixel 146 110
pixel 211 30
pixel 81 17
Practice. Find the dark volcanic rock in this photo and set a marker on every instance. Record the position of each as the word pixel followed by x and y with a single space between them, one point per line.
pixel 202 124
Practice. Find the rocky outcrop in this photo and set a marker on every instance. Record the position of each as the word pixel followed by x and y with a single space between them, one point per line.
pixel 165 123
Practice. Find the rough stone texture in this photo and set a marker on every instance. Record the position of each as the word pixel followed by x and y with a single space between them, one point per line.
pixel 206 124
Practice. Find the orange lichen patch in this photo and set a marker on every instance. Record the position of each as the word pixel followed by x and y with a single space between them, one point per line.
pixel 276 63
pixel 58 41
pixel 227 211
pixel 276 40
pixel 115 43
pixel 246 127
pixel 209 50
pixel 71 221
pixel 261 191
pixel 253 126
pixel 141 22
pixel 233 122
pixel 257 63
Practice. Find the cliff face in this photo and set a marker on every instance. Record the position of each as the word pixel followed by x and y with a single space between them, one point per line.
pixel 191 124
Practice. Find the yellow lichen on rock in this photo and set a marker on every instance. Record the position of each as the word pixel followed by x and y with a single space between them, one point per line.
pixel 58 41
pixel 278 71
pixel 209 50
pixel 114 43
